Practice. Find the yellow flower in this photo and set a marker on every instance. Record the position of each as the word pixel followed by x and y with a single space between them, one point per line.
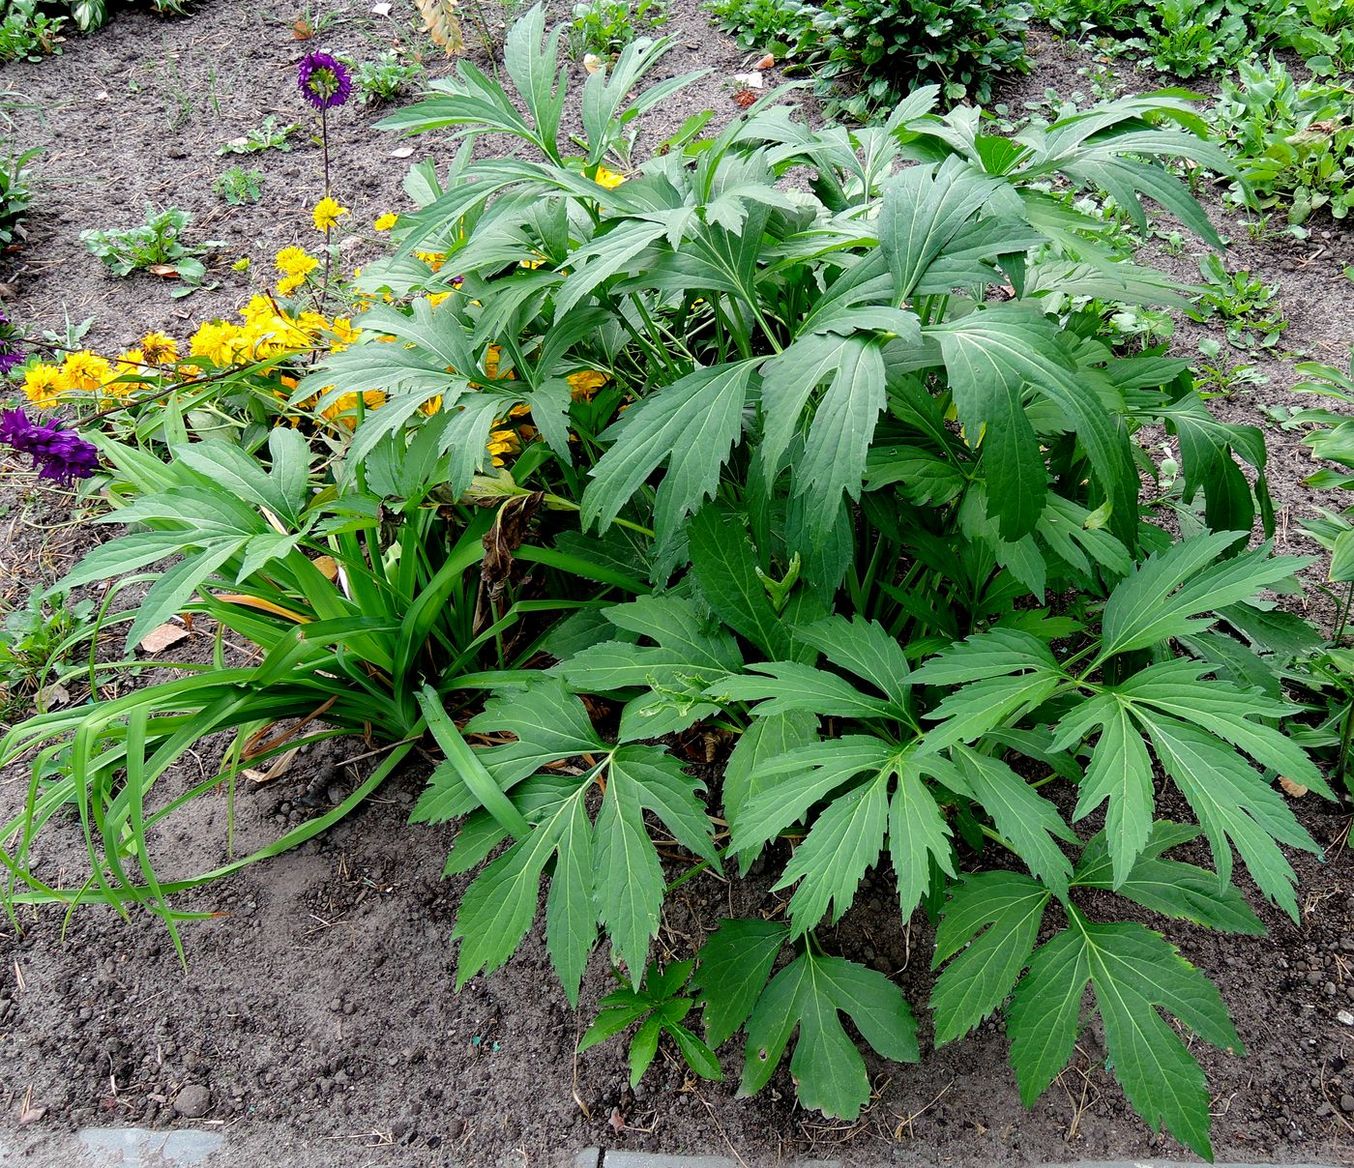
pixel 159 349
pixel 327 213
pixel 436 298
pixel 343 409
pixel 502 442
pixel 432 406
pixel 386 221
pixel 131 363
pixel 311 324
pixel 213 340
pixel 43 385
pixel 342 334
pixel 85 371
pixel 296 261
pixel 585 383
pixel 259 308
pixel 608 178
pixel 491 358
pixel 289 284
pixel 434 259
pixel 240 265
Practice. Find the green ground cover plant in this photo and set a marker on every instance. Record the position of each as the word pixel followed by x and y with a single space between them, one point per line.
pixel 850 472
pixel 1294 142
pixel 1190 38
pixel 787 31
pixel 267 135
pixel 28 32
pixel 237 185
pixel 605 27
pixel 385 79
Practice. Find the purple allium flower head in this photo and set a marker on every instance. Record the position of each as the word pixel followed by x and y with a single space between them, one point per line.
pixel 60 455
pixel 323 81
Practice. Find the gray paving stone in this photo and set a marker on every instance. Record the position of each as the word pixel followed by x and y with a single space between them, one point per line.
pixel 616 1158
pixel 137 1147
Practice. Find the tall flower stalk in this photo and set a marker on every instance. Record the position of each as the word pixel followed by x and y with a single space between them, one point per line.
pixel 325 84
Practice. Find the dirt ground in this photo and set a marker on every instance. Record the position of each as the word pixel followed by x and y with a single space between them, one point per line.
pixel 320 1001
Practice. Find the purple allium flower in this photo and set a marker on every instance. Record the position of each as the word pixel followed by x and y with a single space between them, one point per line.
pixel 323 81
pixel 60 455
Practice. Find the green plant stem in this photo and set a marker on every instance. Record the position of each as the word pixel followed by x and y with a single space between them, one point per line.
pixel 559 503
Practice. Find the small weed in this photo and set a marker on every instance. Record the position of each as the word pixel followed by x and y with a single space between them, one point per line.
pixel 385 79
pixel 27 34
pixel 1294 142
pixel 34 642
pixel 1221 378
pixel 266 136
pixel 605 27
pixel 238 186
pixel 153 246
pixel 783 28
pixel 1247 304
pixel 15 195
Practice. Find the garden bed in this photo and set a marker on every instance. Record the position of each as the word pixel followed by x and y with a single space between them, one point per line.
pixel 321 999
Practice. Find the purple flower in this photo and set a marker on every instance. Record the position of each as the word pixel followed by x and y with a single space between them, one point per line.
pixel 60 455
pixel 323 81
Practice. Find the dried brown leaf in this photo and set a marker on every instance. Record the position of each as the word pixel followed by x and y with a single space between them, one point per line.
pixel 439 19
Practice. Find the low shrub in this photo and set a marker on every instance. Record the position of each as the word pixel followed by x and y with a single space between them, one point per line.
pixel 885 48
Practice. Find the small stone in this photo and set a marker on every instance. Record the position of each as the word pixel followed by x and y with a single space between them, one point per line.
pixel 1347 1103
pixel 193 1102
pixel 1325 1109
pixel 1345 1018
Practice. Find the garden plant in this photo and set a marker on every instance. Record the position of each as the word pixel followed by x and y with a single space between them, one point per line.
pixel 834 447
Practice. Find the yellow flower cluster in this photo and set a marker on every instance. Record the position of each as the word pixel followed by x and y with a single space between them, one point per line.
pixel 85 372
pixel 295 264
pixel 265 331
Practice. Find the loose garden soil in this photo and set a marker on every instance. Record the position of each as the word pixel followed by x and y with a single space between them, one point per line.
pixel 320 1000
